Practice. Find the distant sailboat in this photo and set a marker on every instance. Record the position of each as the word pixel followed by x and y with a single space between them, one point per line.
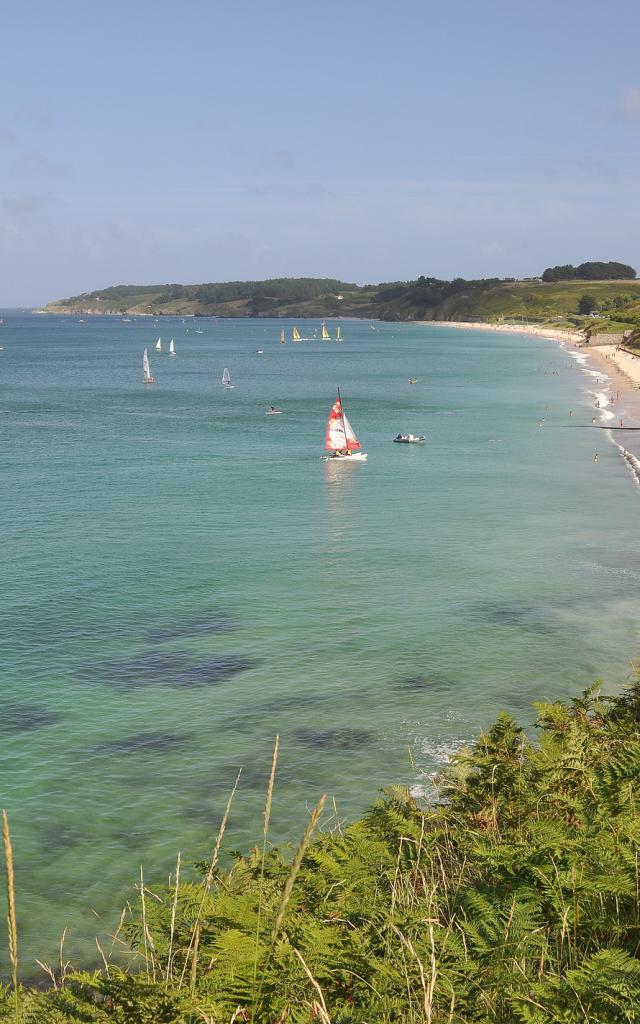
pixel 159 345
pixel 172 348
pixel 339 335
pixel 226 379
pixel 325 334
pixel 295 336
pixel 283 340
pixel 146 369
pixel 341 440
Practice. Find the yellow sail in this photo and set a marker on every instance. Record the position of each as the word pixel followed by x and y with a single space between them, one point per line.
pixel 325 334
pixel 283 340
pixel 296 334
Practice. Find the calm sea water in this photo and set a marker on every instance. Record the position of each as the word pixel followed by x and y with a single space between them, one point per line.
pixel 184 578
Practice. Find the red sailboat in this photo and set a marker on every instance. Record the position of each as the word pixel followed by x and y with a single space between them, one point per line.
pixel 341 440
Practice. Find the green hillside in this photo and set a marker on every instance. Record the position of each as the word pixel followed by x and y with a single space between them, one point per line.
pixel 598 305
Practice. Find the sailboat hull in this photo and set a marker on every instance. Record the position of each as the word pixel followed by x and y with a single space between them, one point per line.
pixel 354 457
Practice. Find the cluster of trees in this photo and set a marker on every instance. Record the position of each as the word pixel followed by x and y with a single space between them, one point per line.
pixel 619 307
pixel 424 296
pixel 590 272
pixel 511 899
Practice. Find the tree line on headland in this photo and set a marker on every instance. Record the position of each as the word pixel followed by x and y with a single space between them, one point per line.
pixel 613 291
pixel 590 272
pixel 510 896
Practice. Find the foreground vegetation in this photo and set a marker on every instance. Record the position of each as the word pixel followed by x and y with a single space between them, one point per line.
pixel 562 302
pixel 512 897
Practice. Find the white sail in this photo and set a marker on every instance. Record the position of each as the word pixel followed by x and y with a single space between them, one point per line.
pixel 340 433
pixel 146 369
pixel 159 345
pixel 339 335
pixel 226 379
pixel 172 348
pixel 342 437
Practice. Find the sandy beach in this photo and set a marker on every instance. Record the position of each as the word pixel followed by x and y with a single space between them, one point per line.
pixel 625 362
pixel 556 334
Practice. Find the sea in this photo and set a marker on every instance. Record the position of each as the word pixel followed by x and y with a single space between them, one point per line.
pixel 184 579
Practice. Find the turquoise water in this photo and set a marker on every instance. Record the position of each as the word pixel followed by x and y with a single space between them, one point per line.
pixel 184 578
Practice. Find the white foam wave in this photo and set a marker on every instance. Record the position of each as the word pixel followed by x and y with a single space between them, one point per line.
pixel 632 461
pixel 441 751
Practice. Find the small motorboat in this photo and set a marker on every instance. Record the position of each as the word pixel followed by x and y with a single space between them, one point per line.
pixel 409 439
pixel 259 351
pixel 413 380
pixel 273 411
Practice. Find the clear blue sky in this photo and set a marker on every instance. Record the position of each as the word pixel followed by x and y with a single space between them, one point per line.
pixel 146 142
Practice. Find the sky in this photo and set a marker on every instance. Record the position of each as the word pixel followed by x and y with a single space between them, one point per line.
pixel 150 142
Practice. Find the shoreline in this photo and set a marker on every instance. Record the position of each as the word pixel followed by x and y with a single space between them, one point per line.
pixel 553 333
pixel 620 368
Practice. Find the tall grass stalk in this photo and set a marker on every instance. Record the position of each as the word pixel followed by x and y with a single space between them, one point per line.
pixel 320 1011
pixel 194 941
pixel 144 923
pixel 174 907
pixel 12 926
pixel 288 889
pixel 266 818
pixel 296 864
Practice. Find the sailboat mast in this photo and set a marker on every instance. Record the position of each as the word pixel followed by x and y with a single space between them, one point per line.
pixel 346 439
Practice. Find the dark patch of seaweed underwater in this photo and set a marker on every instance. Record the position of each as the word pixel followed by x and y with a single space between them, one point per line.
pixel 167 668
pixel 57 836
pixel 425 684
pixel 334 739
pixel 214 670
pixel 143 743
pixel 193 627
pixel 25 717
pixel 516 614
pixel 130 839
pixel 252 717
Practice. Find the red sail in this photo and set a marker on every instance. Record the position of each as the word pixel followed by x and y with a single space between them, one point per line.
pixel 340 433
